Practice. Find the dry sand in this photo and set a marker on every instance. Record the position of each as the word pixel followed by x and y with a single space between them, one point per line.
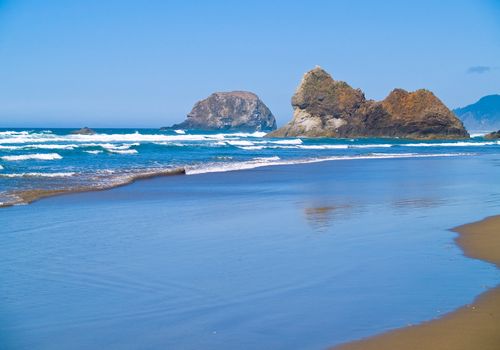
pixel 472 327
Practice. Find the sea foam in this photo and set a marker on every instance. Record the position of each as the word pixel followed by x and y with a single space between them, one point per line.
pixel 271 161
pixel 25 137
pixel 36 174
pixel 451 144
pixel 36 156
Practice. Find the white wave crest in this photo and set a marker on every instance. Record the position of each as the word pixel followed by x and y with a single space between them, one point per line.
pixel 35 156
pixel 16 137
pixel 375 145
pixel 478 134
pixel 41 146
pixel 263 162
pixel 123 151
pixel 246 134
pixel 323 146
pixel 451 144
pixel 50 146
pixel 15 133
pixel 179 131
pixel 297 145
pixel 251 148
pixel 288 142
pixel 35 174
pixel 267 159
pixel 240 143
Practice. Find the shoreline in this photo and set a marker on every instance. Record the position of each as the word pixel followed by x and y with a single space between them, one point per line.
pixel 25 197
pixel 473 326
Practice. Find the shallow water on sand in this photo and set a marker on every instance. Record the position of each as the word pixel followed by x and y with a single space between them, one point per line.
pixel 296 256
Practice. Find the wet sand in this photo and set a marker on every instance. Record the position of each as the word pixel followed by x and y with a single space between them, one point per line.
pixel 472 327
pixel 30 196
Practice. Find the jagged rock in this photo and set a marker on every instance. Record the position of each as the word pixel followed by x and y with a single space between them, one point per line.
pixel 324 107
pixel 493 135
pixel 83 131
pixel 236 110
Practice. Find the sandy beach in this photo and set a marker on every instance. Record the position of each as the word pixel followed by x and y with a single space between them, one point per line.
pixel 474 326
pixel 250 259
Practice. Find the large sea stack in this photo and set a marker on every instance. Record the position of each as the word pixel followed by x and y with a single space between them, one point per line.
pixel 235 111
pixel 324 107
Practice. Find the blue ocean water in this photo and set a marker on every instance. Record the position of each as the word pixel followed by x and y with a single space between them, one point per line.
pixel 56 159
pixel 344 239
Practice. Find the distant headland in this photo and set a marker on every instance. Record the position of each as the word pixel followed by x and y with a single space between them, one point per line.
pixel 483 115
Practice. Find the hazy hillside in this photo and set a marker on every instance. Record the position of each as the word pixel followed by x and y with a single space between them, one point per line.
pixel 484 115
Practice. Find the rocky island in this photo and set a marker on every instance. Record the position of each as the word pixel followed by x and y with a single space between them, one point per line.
pixel 324 107
pixel 495 135
pixel 230 111
pixel 83 131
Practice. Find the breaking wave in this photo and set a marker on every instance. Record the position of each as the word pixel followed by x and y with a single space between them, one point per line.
pixel 36 156
pixel 26 137
pixel 34 174
pixel 269 161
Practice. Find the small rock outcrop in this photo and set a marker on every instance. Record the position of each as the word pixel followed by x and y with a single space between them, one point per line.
pixel 324 107
pixel 493 135
pixel 83 131
pixel 232 111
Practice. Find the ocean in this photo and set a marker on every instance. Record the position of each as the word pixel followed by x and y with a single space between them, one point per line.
pixel 262 243
pixel 56 160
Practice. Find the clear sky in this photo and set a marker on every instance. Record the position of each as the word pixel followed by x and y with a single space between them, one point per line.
pixel 144 63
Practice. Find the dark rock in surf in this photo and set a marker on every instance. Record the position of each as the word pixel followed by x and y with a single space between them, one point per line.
pixel 83 131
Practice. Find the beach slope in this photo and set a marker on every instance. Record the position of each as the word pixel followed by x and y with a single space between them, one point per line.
pixel 474 326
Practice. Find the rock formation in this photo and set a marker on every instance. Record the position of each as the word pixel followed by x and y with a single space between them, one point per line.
pixel 236 110
pixel 324 107
pixel 493 135
pixel 83 131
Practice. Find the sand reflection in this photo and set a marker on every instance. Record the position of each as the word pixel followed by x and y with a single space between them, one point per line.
pixel 418 203
pixel 321 218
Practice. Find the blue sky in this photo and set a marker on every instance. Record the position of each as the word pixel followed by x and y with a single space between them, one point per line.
pixel 145 63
